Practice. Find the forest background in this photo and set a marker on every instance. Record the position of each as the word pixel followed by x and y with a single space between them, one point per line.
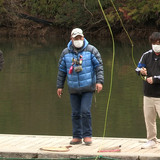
pixel 34 18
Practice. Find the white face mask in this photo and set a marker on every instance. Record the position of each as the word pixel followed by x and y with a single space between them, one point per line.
pixel 78 43
pixel 156 48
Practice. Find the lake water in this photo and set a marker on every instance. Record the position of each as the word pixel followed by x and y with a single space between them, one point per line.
pixel 28 99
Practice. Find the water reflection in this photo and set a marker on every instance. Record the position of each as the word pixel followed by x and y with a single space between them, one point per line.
pixel 28 100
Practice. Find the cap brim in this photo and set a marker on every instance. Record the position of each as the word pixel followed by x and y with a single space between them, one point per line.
pixel 77 35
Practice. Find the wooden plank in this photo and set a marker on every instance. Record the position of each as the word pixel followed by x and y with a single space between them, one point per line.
pixel 29 146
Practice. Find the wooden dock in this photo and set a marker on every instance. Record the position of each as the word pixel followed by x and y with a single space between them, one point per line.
pixel 28 147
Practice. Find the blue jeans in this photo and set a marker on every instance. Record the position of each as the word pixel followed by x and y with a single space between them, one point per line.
pixel 81 114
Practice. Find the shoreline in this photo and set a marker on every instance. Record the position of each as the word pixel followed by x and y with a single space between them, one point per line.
pixel 37 30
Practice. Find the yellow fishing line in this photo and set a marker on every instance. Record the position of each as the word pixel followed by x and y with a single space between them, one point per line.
pixel 112 68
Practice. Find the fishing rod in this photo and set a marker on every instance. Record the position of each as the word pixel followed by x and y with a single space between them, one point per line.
pixel 133 59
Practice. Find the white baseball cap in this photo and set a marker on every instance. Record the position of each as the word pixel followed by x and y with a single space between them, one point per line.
pixel 76 32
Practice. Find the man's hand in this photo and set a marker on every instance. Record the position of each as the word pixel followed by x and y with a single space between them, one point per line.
pixel 150 80
pixel 99 87
pixel 59 92
pixel 143 71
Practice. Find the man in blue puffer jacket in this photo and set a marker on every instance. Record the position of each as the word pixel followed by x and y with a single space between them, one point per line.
pixel 82 64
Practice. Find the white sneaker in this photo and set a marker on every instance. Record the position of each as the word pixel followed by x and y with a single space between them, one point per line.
pixel 149 144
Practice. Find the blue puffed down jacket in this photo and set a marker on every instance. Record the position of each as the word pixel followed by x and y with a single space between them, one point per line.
pixel 92 68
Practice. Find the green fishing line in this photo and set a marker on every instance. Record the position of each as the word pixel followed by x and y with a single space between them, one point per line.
pixel 112 68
